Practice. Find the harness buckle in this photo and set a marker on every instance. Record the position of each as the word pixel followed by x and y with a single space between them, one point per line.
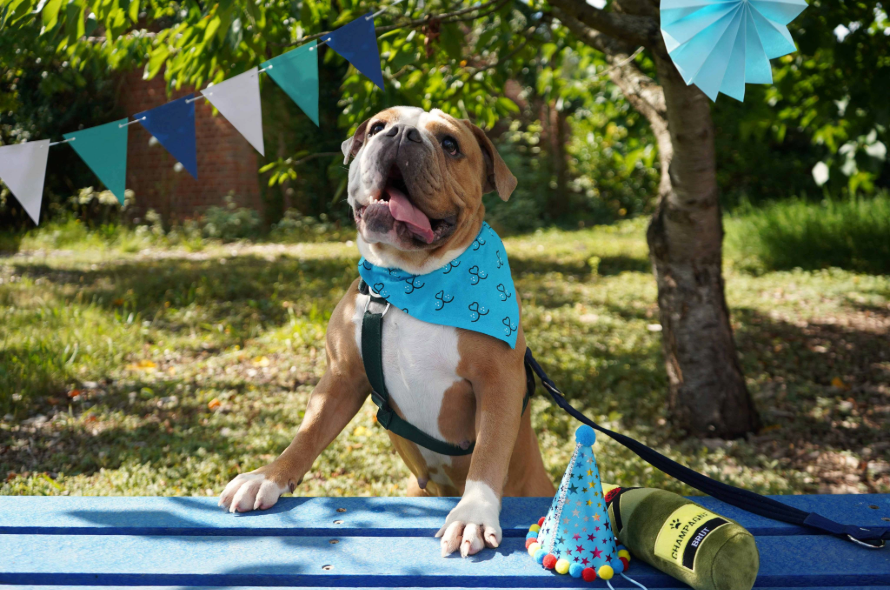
pixel 378 399
pixel 384 416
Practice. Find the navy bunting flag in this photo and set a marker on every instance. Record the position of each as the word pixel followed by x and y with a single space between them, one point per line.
pixel 173 124
pixel 357 43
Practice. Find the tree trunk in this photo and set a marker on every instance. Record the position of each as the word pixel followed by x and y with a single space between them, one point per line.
pixel 708 395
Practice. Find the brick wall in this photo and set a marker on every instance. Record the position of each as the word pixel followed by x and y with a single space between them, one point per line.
pixel 226 161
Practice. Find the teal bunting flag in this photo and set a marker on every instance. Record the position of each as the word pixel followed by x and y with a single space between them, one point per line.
pixel 357 43
pixel 296 72
pixel 104 150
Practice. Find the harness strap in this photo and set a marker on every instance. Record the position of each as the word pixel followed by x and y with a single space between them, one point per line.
pixel 372 357
pixel 872 538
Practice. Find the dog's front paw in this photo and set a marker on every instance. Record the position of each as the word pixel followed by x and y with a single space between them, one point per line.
pixel 251 491
pixel 474 523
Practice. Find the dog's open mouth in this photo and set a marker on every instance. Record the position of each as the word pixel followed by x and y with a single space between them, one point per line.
pixel 396 199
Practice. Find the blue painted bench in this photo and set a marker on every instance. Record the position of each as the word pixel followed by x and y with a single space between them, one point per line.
pixel 367 543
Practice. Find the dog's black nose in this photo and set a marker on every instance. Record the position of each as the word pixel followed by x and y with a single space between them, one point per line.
pixel 413 135
pixel 405 132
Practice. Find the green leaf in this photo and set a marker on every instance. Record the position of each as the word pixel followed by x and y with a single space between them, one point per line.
pixel 50 14
pixel 211 29
pixel 156 61
pixel 74 21
pixel 507 104
pixel 451 40
pixel 133 10
pixel 90 25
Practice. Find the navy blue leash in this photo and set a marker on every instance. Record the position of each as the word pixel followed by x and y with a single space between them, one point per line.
pixel 873 538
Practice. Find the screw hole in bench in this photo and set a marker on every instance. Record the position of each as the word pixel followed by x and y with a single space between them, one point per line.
pixel 333 541
pixel 873 506
pixel 327 568
pixel 341 509
pixel 338 522
pixel 885 519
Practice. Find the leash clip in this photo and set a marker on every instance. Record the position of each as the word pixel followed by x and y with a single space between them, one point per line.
pixel 867 544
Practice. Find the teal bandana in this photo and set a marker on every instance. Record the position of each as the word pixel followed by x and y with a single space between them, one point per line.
pixel 474 291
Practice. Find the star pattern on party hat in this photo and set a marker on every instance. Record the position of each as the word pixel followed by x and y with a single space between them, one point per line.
pixel 576 537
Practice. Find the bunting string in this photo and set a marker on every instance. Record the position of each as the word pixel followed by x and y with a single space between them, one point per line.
pixel 104 148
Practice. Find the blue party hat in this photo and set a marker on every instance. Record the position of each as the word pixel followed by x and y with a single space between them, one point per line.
pixel 576 537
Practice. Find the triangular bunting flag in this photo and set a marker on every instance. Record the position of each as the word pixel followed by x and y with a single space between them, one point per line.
pixel 173 124
pixel 23 168
pixel 104 149
pixel 357 42
pixel 238 99
pixel 296 72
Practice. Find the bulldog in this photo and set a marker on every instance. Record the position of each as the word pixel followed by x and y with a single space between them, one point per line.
pixel 415 187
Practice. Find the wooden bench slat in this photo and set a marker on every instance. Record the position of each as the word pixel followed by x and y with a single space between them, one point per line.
pixel 381 517
pixel 362 561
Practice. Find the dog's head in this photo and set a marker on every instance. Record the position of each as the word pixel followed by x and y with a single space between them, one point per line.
pixel 416 184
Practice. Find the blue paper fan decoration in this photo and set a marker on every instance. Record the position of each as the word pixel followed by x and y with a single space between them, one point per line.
pixel 719 45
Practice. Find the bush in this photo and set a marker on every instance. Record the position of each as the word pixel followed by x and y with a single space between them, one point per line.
pixel 295 227
pixel 230 222
pixel 99 208
pixel 849 233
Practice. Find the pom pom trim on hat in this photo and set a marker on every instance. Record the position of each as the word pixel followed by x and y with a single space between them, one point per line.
pixel 605 572
pixel 585 435
pixel 575 570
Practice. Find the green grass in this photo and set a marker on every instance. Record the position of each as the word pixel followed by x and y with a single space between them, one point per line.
pixel 162 370
pixel 843 233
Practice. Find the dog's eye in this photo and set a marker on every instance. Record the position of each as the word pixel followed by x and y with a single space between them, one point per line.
pixel 377 128
pixel 450 145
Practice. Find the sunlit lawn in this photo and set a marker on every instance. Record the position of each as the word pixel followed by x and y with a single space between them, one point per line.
pixel 168 371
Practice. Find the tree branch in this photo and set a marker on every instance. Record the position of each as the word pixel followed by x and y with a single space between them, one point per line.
pixel 609 46
pixel 629 28
pixel 462 15
pixel 314 156
pixel 646 96
pixel 501 60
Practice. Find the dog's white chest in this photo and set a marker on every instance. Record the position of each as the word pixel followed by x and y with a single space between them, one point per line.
pixel 419 365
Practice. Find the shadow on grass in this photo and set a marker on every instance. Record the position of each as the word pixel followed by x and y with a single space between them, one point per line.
pixel 821 384
pixel 615 265
pixel 145 431
pixel 239 291
pixel 580 269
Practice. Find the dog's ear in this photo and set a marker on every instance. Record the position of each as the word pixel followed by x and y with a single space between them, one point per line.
pixel 352 145
pixel 497 176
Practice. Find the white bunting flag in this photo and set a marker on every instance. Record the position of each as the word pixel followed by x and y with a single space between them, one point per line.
pixel 23 168
pixel 238 99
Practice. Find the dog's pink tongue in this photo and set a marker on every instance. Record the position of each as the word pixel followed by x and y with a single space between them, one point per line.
pixel 403 210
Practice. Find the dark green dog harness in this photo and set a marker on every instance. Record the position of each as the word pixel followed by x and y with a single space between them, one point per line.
pixel 372 357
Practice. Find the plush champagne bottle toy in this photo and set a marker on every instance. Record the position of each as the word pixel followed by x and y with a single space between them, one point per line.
pixel 683 539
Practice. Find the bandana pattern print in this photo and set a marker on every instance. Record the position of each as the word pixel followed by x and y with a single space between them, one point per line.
pixel 474 291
